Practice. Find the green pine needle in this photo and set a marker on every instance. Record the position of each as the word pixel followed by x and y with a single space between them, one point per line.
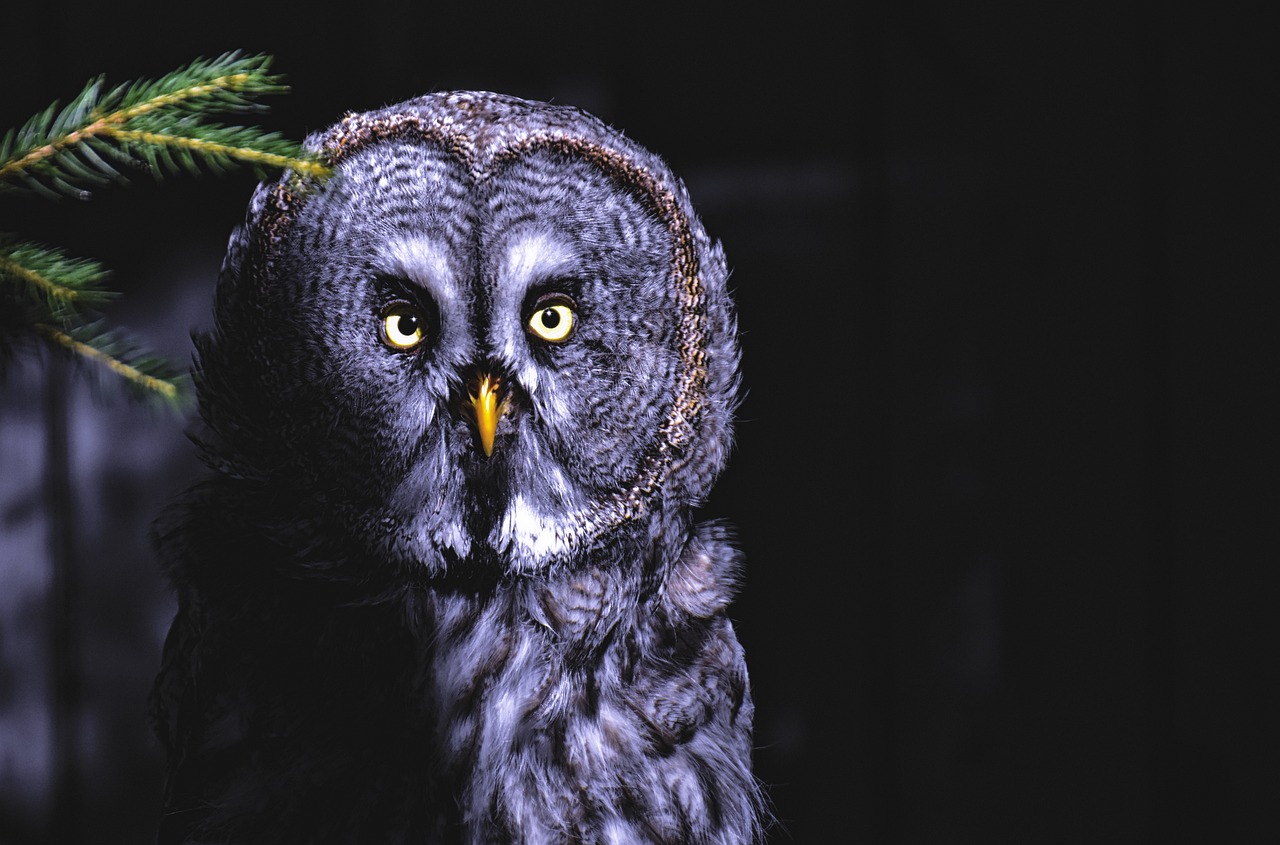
pixel 58 285
pixel 100 138
pixel 159 126
pixel 146 377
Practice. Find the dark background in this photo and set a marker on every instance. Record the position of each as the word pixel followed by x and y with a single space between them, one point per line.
pixel 1002 474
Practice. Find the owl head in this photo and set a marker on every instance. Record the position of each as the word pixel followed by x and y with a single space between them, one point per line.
pixel 496 336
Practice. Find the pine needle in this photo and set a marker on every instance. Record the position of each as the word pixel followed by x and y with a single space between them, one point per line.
pixel 157 125
pixel 61 285
pixel 148 377
pixel 98 139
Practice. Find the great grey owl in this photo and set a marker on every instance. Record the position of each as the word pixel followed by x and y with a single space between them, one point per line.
pixel 444 583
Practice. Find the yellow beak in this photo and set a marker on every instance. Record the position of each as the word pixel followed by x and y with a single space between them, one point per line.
pixel 485 403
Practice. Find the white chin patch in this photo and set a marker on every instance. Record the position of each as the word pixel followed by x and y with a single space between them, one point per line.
pixel 529 537
pixel 451 536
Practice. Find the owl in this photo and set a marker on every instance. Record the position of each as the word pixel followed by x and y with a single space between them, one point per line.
pixel 443 582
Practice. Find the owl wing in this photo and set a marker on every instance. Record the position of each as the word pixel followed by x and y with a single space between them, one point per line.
pixel 284 719
pixel 181 711
pixel 200 713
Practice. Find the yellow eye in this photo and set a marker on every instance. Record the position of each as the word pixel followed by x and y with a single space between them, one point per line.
pixel 552 321
pixel 403 326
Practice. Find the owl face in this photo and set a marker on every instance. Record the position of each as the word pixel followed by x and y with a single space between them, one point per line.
pixel 497 333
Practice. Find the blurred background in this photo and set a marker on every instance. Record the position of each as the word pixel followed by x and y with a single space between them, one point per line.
pixel 1004 282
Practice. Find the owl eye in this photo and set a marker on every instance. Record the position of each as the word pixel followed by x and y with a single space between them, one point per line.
pixel 553 319
pixel 403 326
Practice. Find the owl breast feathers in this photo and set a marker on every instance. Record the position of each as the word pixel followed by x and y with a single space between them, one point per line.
pixel 444 584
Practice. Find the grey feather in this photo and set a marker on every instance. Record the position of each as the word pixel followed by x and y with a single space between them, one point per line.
pixel 385 634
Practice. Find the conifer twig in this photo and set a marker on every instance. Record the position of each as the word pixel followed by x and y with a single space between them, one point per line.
pixel 62 283
pixel 158 126
pixel 55 149
pixel 141 376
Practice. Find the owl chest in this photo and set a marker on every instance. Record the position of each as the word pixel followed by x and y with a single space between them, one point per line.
pixel 534 731
pixel 517 693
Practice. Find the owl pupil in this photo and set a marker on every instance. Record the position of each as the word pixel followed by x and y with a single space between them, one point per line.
pixel 407 324
pixel 550 318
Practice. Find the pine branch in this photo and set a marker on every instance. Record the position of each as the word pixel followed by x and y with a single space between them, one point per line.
pixel 220 147
pixel 58 151
pixel 146 376
pixel 158 126
pixel 58 284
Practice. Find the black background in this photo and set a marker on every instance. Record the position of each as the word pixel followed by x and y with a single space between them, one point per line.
pixel 1002 472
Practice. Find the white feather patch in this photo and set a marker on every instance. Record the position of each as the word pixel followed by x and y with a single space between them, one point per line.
pixel 423 261
pixel 447 535
pixel 529 531
pixel 530 256
pixel 535 255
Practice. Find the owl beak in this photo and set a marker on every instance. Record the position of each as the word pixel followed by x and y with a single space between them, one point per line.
pixel 488 407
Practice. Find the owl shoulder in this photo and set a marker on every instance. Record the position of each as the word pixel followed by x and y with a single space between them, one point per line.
pixel 707 575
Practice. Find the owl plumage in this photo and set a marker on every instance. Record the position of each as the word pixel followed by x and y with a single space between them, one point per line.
pixel 444 584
